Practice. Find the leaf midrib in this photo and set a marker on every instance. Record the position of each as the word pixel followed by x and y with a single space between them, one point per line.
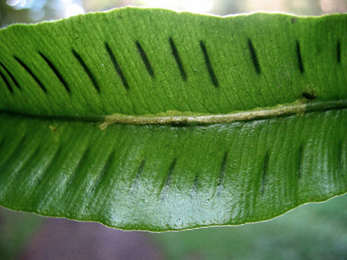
pixel 186 118
pixel 172 117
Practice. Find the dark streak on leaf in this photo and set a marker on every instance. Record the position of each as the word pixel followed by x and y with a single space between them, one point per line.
pixel 31 73
pixel 169 175
pixel 87 70
pixel 254 56
pixel 103 172
pixel 2 141
pixel 195 185
pixel 18 150
pixel 264 172
pixel 116 66
pixel 20 169
pixel 6 82
pixel 50 165
pixel 209 65
pixel 298 53
pixel 222 173
pixel 10 74
pixel 338 51
pixel 176 55
pixel 138 175
pixel 145 59
pixel 31 157
pixel 23 165
pixel 56 72
pixel 78 168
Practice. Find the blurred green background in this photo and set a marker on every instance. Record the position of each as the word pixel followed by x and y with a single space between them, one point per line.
pixel 28 11
pixel 314 231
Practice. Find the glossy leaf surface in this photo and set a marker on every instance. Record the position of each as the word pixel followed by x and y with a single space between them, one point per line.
pixel 155 120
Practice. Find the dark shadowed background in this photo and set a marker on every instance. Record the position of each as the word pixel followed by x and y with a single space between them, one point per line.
pixel 316 231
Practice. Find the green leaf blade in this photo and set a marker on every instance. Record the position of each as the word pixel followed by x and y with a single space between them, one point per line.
pixel 226 44
pixel 150 178
pixel 70 145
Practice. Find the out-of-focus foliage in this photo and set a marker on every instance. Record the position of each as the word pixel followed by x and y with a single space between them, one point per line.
pixel 310 232
pixel 15 229
pixel 27 11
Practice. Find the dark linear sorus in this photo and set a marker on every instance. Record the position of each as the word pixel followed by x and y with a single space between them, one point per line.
pixel 28 158
pixel 32 156
pixel 31 73
pixel 169 175
pixel 264 172
pixel 195 186
pixel 254 56
pixel 16 151
pixel 78 168
pixel 265 168
pixel 300 62
pixel 116 66
pixel 222 173
pixel 104 171
pixel 11 75
pixel 145 59
pixel 8 85
pixel 56 72
pixel 51 164
pixel 177 57
pixel 338 52
pixel 87 70
pixel 46 177
pixel 209 65
pixel 2 141
pixel 138 174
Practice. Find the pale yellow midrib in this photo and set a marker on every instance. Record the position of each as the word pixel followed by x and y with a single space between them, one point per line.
pixel 169 117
